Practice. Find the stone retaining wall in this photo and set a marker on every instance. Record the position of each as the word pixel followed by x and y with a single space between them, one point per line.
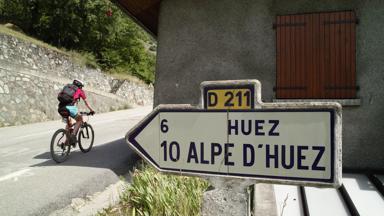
pixel 31 76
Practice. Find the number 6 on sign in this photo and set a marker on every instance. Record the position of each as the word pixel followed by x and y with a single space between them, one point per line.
pixel 164 128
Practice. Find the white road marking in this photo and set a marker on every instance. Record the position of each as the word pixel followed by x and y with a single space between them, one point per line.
pixel 14 174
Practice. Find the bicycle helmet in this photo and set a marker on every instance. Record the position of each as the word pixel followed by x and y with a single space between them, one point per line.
pixel 78 83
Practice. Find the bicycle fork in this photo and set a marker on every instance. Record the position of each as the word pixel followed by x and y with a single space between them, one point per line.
pixel 84 134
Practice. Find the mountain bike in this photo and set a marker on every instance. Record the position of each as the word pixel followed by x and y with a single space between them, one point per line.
pixel 60 145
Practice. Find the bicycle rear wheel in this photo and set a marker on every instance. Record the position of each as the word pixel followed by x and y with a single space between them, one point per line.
pixel 60 146
pixel 86 137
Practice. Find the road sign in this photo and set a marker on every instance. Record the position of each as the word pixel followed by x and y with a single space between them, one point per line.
pixel 290 146
pixel 291 143
pixel 229 97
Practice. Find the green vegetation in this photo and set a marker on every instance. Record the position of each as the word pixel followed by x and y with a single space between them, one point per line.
pixel 153 193
pixel 97 29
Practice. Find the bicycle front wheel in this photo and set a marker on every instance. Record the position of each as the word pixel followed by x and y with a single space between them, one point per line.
pixel 60 146
pixel 86 138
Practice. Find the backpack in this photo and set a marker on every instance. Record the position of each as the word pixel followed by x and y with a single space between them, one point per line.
pixel 66 95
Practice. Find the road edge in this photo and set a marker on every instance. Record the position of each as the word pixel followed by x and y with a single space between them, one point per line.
pixel 94 203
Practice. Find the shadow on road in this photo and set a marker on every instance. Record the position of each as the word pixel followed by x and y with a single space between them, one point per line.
pixel 115 155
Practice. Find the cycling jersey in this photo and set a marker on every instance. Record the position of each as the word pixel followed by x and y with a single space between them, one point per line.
pixel 71 109
pixel 79 94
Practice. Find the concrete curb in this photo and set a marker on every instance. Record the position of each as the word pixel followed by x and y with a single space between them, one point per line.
pixel 95 203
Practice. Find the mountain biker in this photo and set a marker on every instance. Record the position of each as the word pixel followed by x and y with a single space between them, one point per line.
pixel 70 109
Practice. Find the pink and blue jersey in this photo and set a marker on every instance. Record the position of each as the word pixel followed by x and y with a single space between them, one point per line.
pixel 79 94
pixel 73 110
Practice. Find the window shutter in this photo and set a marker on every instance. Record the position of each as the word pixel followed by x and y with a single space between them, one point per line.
pixel 315 56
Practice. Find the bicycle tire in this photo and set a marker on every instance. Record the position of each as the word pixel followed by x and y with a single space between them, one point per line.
pixel 61 143
pixel 86 133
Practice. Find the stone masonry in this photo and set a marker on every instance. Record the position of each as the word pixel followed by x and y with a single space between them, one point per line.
pixel 31 76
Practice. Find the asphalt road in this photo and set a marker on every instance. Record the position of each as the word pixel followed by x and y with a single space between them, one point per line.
pixel 31 183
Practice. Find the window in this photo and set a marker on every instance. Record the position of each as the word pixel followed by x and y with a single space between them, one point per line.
pixel 315 56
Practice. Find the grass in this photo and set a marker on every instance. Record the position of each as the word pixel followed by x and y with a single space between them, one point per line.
pixel 154 193
pixel 122 76
pixel 24 37
pixel 83 59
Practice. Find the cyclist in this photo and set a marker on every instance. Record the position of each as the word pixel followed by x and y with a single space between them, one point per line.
pixel 71 109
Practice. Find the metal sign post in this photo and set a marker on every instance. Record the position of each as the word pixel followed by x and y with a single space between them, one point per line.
pixel 234 134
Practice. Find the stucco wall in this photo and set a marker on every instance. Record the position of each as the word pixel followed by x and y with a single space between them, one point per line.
pixel 211 40
pixel 31 77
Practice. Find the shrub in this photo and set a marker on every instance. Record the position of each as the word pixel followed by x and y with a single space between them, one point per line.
pixel 154 193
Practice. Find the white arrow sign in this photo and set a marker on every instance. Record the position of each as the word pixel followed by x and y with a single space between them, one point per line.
pixel 295 146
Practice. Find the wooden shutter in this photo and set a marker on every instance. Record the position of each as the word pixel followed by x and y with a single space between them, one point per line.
pixel 316 56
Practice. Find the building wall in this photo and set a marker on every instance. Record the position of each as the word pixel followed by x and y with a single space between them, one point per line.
pixel 208 40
